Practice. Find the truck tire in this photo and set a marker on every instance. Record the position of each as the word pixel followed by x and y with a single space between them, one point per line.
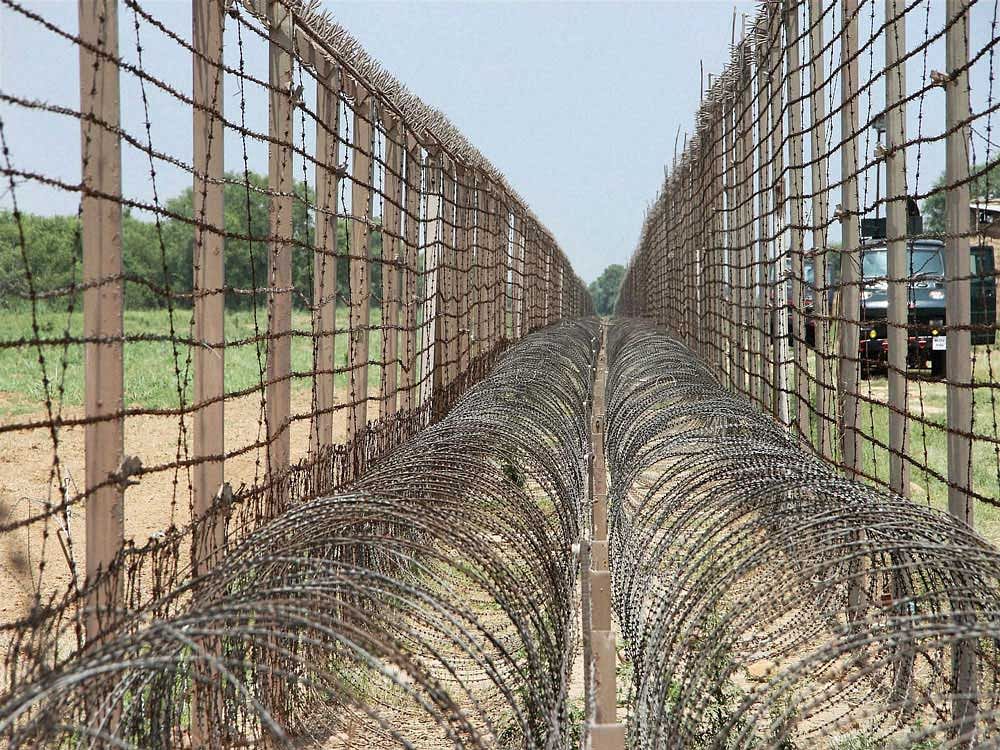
pixel 939 367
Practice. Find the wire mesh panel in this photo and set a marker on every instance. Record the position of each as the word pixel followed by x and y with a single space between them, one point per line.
pixel 826 240
pixel 239 263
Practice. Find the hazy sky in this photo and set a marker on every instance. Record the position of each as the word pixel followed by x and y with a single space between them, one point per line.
pixel 577 103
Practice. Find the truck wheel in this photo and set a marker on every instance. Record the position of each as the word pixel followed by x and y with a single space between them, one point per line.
pixel 939 364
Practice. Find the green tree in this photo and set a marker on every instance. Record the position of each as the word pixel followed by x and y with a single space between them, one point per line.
pixel 984 184
pixel 604 290
pixel 37 252
pixel 158 256
pixel 245 247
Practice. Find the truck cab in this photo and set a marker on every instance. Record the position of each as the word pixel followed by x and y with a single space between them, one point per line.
pixel 926 303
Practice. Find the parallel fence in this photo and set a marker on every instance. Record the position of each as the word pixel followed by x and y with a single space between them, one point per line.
pixel 826 239
pixel 235 323
pixel 432 604
pixel 766 600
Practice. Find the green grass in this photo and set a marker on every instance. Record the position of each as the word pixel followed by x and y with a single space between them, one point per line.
pixel 928 442
pixel 153 369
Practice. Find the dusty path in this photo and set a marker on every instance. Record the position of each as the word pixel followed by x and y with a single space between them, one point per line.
pixel 160 500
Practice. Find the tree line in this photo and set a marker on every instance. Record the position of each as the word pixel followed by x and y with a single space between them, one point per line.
pixel 158 255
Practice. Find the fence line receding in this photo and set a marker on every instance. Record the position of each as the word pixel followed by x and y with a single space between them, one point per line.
pixel 826 239
pixel 266 266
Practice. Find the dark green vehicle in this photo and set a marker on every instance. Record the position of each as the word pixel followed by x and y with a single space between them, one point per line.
pixel 926 303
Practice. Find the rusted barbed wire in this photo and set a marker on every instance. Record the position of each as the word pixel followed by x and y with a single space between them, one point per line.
pixel 765 600
pixel 827 238
pixel 245 318
pixel 431 604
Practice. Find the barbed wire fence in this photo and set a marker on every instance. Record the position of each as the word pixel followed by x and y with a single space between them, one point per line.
pixel 826 239
pixel 767 601
pixel 185 368
pixel 432 603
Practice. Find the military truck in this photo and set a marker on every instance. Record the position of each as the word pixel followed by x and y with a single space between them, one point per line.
pixel 926 302
pixel 925 295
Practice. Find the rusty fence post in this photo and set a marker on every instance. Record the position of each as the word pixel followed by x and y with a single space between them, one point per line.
pixel 360 266
pixel 279 297
pixel 325 256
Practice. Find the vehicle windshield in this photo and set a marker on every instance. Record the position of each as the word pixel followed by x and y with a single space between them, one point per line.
pixel 923 261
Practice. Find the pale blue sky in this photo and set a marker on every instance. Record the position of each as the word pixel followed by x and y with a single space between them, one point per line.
pixel 577 103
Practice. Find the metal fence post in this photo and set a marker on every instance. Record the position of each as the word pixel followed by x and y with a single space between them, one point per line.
pixel 433 237
pixel 775 325
pixel 488 227
pixel 279 297
pixel 391 257
pixel 796 234
pixel 850 295
pixel 896 230
pixel 517 276
pixel 103 302
pixel 325 256
pixel 746 247
pixel 411 260
pixel 445 336
pixel 730 180
pixel 820 217
pixel 720 339
pixel 360 264
pixel 208 358
pixel 208 441
pixel 958 319
pixel 759 245
pixel 505 266
pixel 958 264
pixel 464 195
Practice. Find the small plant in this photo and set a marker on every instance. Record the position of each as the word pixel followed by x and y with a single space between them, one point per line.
pixel 855 742
pixel 513 474
pixel 784 719
pixel 575 718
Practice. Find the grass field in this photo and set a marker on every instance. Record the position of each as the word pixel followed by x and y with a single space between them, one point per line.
pixel 151 381
pixel 927 399
pixel 153 369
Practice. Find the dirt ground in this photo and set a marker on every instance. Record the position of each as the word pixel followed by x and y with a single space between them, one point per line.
pixel 160 499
